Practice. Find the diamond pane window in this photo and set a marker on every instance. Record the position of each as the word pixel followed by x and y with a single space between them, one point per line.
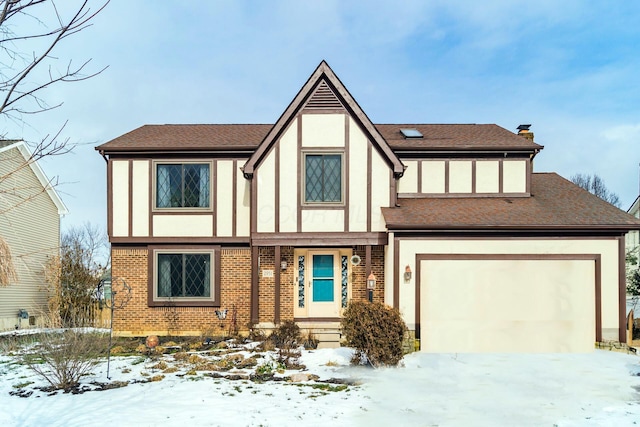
pixel 184 275
pixel 323 178
pixel 182 186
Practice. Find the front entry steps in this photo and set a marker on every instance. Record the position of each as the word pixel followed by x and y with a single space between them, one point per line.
pixel 328 334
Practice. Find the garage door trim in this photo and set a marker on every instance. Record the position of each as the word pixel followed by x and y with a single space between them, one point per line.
pixel 507 257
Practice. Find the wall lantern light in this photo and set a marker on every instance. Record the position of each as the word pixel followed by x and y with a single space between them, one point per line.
pixel 407 273
pixel 371 282
pixel 283 265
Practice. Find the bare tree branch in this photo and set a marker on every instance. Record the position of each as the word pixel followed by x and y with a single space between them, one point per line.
pixel 596 186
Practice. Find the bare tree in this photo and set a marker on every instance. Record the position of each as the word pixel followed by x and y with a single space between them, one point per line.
pixel 73 277
pixel 30 32
pixel 595 185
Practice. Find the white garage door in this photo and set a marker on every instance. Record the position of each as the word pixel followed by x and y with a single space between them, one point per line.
pixel 507 305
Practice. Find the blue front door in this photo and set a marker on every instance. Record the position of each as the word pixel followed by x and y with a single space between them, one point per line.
pixel 323 278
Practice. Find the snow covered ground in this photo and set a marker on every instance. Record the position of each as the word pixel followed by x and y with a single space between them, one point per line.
pixel 596 389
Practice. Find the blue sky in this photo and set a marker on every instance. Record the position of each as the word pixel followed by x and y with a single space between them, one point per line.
pixel 569 68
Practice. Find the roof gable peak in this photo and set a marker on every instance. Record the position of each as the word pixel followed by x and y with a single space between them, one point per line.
pixel 315 93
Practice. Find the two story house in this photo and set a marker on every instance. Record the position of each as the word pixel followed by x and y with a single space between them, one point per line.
pixel 30 213
pixel 293 220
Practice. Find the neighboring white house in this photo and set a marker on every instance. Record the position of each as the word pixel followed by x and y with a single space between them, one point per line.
pixel 30 212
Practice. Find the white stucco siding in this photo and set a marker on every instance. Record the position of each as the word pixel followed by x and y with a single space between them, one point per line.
pixel 224 194
pixel 460 176
pixel 607 249
pixel 357 180
pixel 433 178
pixel 288 215
pixel 243 205
pixel 514 176
pixel 183 225
pixel 320 220
pixel 409 181
pixel 120 200
pixel 266 194
pixel 380 188
pixel 323 130
pixel 140 198
pixel 487 176
pixel 535 305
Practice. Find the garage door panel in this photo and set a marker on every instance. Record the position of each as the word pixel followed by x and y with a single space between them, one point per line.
pixel 536 305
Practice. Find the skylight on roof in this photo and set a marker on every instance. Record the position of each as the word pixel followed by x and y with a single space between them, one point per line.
pixel 411 133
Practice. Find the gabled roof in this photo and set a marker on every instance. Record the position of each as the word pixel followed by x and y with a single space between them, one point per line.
pixel 555 203
pixel 324 74
pixel 21 146
pixel 247 137
pixel 635 207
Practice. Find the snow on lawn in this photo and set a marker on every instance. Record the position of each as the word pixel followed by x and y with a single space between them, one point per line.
pixel 595 389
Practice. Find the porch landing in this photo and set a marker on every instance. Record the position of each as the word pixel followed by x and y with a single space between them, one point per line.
pixel 327 333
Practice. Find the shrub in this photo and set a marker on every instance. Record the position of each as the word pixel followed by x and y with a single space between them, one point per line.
pixel 62 358
pixel 287 338
pixel 375 331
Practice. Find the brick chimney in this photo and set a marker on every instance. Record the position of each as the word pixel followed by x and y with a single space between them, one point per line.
pixel 523 130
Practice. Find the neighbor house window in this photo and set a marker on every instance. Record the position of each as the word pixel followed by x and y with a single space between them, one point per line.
pixel 182 185
pixel 323 178
pixel 183 275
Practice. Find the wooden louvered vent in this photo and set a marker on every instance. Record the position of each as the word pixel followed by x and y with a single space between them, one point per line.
pixel 323 98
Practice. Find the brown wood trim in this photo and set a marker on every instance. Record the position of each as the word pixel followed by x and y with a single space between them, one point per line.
pixel 622 291
pixel 320 239
pixel 367 258
pixel 276 267
pixel 276 188
pixel 189 213
pixel 214 197
pixel 322 207
pixel 501 176
pixel 419 166
pixel 255 254
pixel 461 195
pixel 446 177
pixel 473 176
pixel 151 198
pixel 177 240
pixel 177 303
pixel 588 257
pixel 130 196
pixel 300 158
pixel 396 273
pixel 110 198
pixel 369 179
pixel 234 198
pixel 346 181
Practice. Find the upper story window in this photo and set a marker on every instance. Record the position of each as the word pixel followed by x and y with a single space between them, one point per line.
pixel 323 178
pixel 183 185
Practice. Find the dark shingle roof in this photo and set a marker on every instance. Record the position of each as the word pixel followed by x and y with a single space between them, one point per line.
pixel 189 137
pixel 249 136
pixel 555 203
pixel 459 136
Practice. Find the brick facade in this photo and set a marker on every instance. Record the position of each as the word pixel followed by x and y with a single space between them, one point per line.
pixel 138 319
